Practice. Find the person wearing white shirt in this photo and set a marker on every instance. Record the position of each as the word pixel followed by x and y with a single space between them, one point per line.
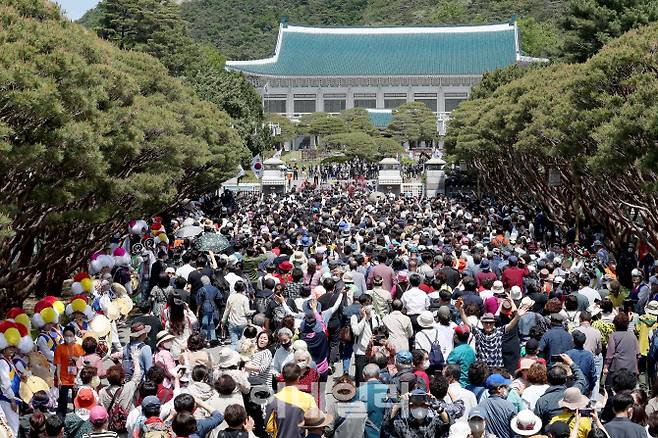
pixel 428 333
pixel 237 313
pixel 591 294
pixel 415 301
pixel 232 278
pixel 446 329
pixel 363 326
pixel 452 372
pixel 185 270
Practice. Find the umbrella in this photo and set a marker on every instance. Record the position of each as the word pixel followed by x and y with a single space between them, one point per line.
pixel 31 385
pixel 188 231
pixel 212 242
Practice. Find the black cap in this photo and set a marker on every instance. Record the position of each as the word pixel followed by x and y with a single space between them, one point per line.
pixel 532 344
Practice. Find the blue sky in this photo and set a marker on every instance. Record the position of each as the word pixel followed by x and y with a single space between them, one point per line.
pixel 76 8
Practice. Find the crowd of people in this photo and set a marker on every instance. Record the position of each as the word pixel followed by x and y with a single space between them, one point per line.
pixel 331 314
pixel 351 170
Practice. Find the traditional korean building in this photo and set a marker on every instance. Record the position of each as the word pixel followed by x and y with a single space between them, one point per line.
pixel 379 68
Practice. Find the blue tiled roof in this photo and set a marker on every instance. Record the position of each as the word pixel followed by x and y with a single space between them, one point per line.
pixel 381 119
pixel 387 52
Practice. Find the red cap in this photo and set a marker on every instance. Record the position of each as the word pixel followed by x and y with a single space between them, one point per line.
pixel 462 328
pixel 286 266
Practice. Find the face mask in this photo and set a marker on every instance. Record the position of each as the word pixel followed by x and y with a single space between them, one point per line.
pixel 69 339
pixel 419 413
pixel 301 365
pixel 286 345
pixel 426 364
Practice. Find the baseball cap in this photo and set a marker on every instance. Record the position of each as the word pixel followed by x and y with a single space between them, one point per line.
pixel 150 402
pixel 98 414
pixel 444 312
pixel 461 329
pixel 496 380
pixel 532 344
pixel 475 413
pixel 403 357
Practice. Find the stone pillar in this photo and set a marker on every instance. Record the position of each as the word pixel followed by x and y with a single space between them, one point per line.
pixel 380 98
pixel 290 103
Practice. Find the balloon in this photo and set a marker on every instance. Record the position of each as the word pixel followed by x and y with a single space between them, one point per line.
pixel 12 336
pixel 87 284
pixel 78 305
pixel 49 315
pixel 23 319
pixel 59 307
pixel 163 238
pixel 80 276
pixel 76 288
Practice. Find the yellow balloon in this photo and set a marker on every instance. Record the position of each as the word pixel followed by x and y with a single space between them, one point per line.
pixel 13 336
pixel 87 284
pixel 48 314
pixel 23 319
pixel 79 305
pixel 59 307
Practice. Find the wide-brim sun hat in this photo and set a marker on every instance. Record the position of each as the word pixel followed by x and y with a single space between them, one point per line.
pixel 228 358
pixel 526 423
pixel 163 336
pixel 652 308
pixel 426 319
pixel 573 399
pixel 315 419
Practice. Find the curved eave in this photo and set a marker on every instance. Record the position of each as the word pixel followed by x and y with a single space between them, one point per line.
pixel 410 75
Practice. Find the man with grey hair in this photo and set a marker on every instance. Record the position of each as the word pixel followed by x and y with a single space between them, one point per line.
pixel 374 394
pixel 207 311
pixel 284 354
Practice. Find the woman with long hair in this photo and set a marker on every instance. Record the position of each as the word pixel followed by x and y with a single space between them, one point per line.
pixel 623 349
pixel 159 294
pixel 179 320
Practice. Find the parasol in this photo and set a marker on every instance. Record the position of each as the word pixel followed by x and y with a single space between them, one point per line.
pixel 31 385
pixel 212 242
pixel 40 367
pixel 188 231
pixel 100 326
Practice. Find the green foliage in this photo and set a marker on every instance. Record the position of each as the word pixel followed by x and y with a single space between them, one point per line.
pixel 413 122
pixel 321 124
pixel 362 145
pixel 156 27
pixel 539 39
pixel 494 79
pixel 357 119
pixel 589 24
pixel 594 123
pixel 92 136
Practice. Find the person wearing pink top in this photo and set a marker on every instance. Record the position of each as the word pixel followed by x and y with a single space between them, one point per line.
pixel 91 359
